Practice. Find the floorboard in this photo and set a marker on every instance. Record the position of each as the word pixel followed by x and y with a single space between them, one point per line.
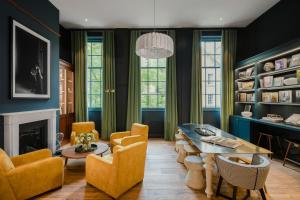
pixel 164 180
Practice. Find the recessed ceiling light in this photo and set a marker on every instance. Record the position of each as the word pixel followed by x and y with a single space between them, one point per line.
pixel 86 19
pixel 221 18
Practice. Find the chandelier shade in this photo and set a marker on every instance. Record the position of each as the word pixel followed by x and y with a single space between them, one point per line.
pixel 154 45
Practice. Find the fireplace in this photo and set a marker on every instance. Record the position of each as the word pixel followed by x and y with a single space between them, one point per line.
pixel 36 129
pixel 33 136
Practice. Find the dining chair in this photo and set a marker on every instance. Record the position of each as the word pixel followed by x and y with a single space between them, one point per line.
pixel 248 176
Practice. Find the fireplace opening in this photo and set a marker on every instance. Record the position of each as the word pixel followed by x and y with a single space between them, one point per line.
pixel 33 136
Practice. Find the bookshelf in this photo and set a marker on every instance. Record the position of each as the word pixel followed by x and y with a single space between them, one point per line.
pixel 260 106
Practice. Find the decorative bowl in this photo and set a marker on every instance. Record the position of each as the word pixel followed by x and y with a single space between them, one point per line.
pixel 290 81
pixel 246 114
pixel 269 66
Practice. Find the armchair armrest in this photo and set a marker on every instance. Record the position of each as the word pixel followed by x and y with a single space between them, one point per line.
pixel 118 135
pixel 31 157
pixel 131 139
pixel 98 170
pixel 117 147
pixel 35 174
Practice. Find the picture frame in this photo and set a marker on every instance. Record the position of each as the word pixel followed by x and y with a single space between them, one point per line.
pixel 278 81
pixel 285 96
pixel 30 70
pixel 295 60
pixel 281 64
pixel 268 81
pixel 247 108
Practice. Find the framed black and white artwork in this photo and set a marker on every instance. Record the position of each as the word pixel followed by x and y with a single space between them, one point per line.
pixel 30 73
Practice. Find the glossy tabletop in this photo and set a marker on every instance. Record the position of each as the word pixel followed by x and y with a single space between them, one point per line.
pixel 205 147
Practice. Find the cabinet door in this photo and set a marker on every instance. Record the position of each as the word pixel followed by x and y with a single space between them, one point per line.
pixel 63 120
pixel 234 125
pixel 244 129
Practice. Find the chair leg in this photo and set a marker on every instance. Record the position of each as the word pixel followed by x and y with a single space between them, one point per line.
pixel 234 192
pixel 219 185
pixel 279 145
pixel 262 193
pixel 247 195
pixel 270 145
pixel 258 141
pixel 287 153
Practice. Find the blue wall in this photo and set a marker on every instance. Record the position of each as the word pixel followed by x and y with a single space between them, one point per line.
pixel 49 15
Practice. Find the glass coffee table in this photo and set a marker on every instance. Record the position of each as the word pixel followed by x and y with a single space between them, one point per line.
pixel 69 153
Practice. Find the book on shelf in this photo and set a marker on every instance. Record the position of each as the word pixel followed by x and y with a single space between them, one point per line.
pixel 250 97
pixel 243 97
pixel 285 96
pixel 270 97
pixel 268 81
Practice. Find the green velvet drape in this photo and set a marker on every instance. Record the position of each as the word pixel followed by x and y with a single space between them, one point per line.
pixel 109 95
pixel 171 114
pixel 78 49
pixel 228 60
pixel 134 83
pixel 196 112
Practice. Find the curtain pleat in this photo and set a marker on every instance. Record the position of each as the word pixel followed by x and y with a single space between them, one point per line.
pixel 196 112
pixel 78 49
pixel 134 83
pixel 228 59
pixel 109 95
pixel 171 114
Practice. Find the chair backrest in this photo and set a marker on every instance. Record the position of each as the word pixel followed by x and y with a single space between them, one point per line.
pixel 129 164
pixel 83 127
pixel 246 176
pixel 140 129
pixel 5 166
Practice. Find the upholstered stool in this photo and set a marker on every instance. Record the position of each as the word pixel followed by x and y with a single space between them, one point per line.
pixel 181 153
pixel 178 142
pixel 290 145
pixel 191 150
pixel 194 177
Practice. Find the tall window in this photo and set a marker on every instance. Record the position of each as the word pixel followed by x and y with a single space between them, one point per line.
pixel 153 82
pixel 94 71
pixel 211 55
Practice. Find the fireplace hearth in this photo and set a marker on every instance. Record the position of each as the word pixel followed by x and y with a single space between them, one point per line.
pixel 33 136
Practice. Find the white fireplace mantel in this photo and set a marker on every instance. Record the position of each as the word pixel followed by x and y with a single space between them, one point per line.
pixel 13 120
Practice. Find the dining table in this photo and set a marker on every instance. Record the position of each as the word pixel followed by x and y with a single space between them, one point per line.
pixel 196 134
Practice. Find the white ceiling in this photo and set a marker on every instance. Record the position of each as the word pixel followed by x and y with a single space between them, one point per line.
pixel 169 13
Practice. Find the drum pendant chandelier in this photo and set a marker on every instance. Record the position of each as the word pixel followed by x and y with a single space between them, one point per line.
pixel 154 45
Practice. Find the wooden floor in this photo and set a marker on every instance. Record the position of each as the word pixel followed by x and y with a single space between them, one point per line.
pixel 164 180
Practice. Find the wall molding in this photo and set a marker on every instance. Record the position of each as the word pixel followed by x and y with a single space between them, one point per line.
pixel 29 14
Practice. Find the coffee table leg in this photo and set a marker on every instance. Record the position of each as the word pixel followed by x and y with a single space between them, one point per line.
pixel 66 161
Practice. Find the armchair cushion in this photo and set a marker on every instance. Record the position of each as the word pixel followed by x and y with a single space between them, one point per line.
pixel 5 163
pixel 83 127
pixel 131 139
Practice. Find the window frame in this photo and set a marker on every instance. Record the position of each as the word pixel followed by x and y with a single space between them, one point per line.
pixel 211 38
pixel 94 39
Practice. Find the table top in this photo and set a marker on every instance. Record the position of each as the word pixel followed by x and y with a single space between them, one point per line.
pixel 205 147
pixel 70 152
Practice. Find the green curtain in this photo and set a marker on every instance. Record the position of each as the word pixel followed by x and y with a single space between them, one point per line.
pixel 78 49
pixel 171 115
pixel 109 97
pixel 196 112
pixel 134 83
pixel 228 61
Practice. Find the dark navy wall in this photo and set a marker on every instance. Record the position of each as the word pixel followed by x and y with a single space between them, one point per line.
pixel 49 15
pixel 278 25
pixel 65 44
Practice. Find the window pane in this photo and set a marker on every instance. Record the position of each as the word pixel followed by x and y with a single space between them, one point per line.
pixel 144 101
pixel 202 60
pixel 152 88
pixel 218 60
pixel 144 74
pixel 218 48
pixel 95 88
pixel 152 76
pixel 161 101
pixel 89 61
pixel 209 61
pixel 209 48
pixel 152 101
pixel 144 88
pixel 161 87
pixel 161 74
pixel 97 61
pixel 144 62
pixel 162 62
pixel 88 48
pixel 218 88
pixel 152 62
pixel 218 100
pixel 95 75
pixel 96 48
pixel 218 75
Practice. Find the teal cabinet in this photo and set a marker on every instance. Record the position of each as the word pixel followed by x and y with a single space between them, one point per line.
pixel 240 127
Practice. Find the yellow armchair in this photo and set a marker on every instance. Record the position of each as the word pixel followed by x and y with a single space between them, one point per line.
pixel 115 174
pixel 28 175
pixel 83 127
pixel 138 133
